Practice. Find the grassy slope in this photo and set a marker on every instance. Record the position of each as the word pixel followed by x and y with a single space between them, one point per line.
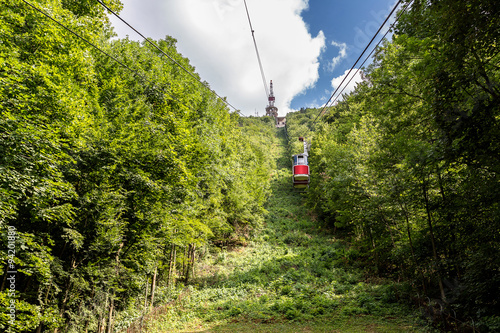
pixel 292 278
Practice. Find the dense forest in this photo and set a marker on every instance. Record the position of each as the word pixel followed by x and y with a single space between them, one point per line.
pixel 115 166
pixel 120 170
pixel 408 164
pixel 294 275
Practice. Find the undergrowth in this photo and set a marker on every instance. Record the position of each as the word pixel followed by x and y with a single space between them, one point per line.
pixel 293 274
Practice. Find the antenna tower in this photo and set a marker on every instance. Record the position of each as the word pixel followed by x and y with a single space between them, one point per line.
pixel 271 110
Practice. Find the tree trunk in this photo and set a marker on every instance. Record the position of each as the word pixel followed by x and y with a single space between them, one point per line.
pixel 112 291
pixel 431 232
pixel 185 263
pixel 153 287
pixel 171 267
pixel 146 296
pixel 65 300
pixel 102 318
pixel 410 241
pixel 193 252
pixel 42 306
pixel 189 263
pixel 87 321
pixel 374 248
pixel 110 315
pixel 452 251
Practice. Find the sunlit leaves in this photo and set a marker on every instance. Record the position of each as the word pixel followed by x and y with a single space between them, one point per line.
pixel 104 170
pixel 409 162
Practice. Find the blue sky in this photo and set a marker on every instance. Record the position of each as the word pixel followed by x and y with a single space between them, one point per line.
pixel 305 46
pixel 348 26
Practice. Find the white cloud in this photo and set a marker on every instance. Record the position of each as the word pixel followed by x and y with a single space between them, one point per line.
pixel 342 54
pixel 216 37
pixel 350 82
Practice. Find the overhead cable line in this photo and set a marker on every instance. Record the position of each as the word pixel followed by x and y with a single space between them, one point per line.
pixel 359 58
pixel 82 38
pixel 257 51
pixel 168 56
pixel 368 57
pixel 102 51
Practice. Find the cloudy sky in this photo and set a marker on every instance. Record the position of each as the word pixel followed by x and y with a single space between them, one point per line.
pixel 306 46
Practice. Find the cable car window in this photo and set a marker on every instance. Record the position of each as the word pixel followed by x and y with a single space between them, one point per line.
pixel 301 160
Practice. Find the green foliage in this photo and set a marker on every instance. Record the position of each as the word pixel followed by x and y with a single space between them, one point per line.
pixel 292 273
pixel 111 178
pixel 407 167
pixel 300 124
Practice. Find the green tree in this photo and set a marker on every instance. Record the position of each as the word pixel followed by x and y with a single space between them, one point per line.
pixel 112 174
pixel 408 163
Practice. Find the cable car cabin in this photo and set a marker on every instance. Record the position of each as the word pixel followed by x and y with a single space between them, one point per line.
pixel 300 171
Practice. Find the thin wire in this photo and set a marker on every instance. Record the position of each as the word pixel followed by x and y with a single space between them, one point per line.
pixel 82 38
pixel 168 56
pixel 257 51
pixel 368 57
pixel 102 51
pixel 366 48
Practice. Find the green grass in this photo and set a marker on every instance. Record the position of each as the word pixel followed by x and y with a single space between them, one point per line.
pixel 294 277
pixel 347 325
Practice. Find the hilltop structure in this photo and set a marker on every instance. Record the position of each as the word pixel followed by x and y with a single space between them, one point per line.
pixel 271 110
pixel 280 122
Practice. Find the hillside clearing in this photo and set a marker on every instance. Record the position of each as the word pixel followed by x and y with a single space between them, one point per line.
pixel 294 277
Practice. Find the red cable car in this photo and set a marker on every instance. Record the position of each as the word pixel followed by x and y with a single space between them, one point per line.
pixel 300 169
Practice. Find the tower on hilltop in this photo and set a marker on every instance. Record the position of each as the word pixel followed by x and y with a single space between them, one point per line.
pixel 271 110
